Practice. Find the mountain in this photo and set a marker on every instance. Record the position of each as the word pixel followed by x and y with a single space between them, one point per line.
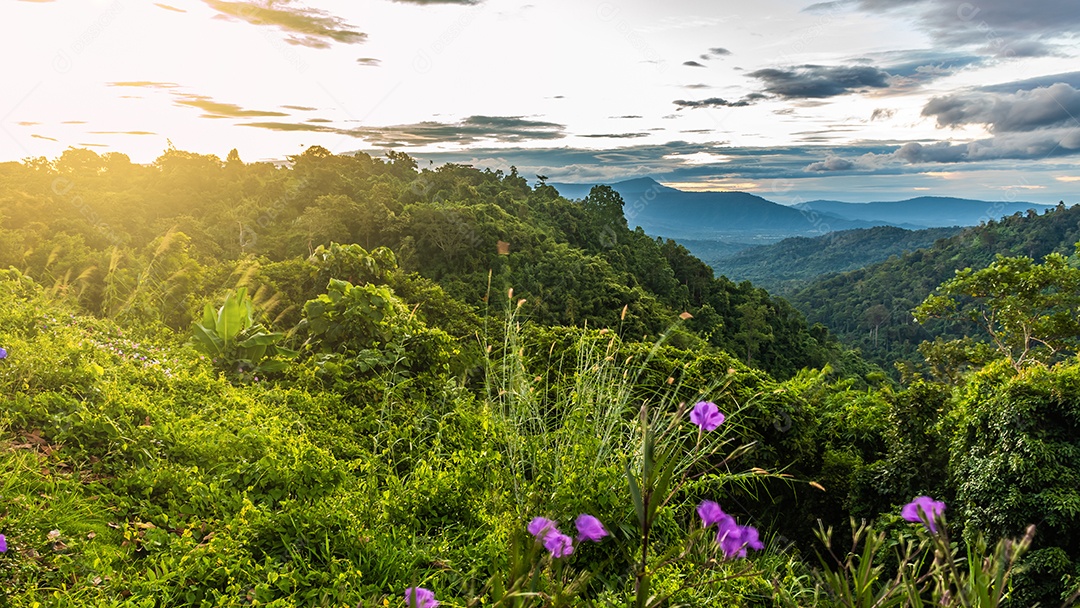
pixel 790 264
pixel 738 216
pixel 881 296
pixel 922 212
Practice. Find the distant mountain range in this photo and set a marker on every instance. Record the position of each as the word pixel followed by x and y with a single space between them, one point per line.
pixel 741 217
pixel 923 212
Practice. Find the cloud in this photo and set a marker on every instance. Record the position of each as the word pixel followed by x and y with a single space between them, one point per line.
pixel 719 51
pixel 1070 78
pixel 999 28
pixel 712 102
pixel 816 82
pixel 1031 146
pixel 881 114
pixel 693 64
pixel 616 135
pixel 169 8
pixel 368 61
pixel 471 130
pixel 866 162
pixel 145 84
pixel 216 109
pixel 304 26
pixel 289 126
pixel 1057 105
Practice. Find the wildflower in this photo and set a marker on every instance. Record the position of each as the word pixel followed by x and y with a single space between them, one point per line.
pixel 925 510
pixel 559 544
pixel 540 527
pixel 710 513
pixel 735 539
pixel 418 597
pixel 3 541
pixel 732 538
pixel 706 415
pixel 590 528
pixel 3 353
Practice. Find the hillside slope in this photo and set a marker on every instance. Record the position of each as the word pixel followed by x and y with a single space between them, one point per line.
pixel 786 266
pixel 882 295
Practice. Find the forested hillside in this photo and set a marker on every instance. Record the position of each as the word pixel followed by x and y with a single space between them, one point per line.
pixel 331 381
pixel 154 242
pixel 785 267
pixel 871 307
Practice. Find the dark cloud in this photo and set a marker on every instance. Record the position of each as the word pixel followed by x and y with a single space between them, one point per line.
pixel 506 129
pixel 616 135
pixel 472 130
pixel 1057 105
pixel 304 26
pixel 1000 28
pixel 1069 78
pixel 693 64
pixel 696 86
pixel 719 52
pixel 289 126
pixel 1031 146
pixel 712 102
pixel 216 109
pixel 832 163
pixel 939 152
pixel 881 114
pixel 911 69
pixel 1035 145
pixel 627 116
pixel 816 82
pixel 368 61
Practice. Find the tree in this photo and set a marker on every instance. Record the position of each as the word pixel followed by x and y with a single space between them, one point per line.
pixel 754 327
pixel 1030 311
pixel 875 317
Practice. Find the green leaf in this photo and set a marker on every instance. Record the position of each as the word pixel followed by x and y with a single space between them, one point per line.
pixel 635 495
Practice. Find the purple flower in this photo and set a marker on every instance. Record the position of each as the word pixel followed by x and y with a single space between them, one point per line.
pixel 3 541
pixel 735 539
pixel 3 353
pixel 558 543
pixel 590 528
pixel 418 597
pixel 710 513
pixel 923 510
pixel 706 415
pixel 540 527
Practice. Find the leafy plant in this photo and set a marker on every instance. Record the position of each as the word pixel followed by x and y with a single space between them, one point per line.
pixel 237 344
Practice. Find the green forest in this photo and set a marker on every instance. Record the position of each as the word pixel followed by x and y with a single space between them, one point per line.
pixel 345 380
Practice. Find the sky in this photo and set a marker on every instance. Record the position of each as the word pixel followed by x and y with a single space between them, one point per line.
pixel 853 100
